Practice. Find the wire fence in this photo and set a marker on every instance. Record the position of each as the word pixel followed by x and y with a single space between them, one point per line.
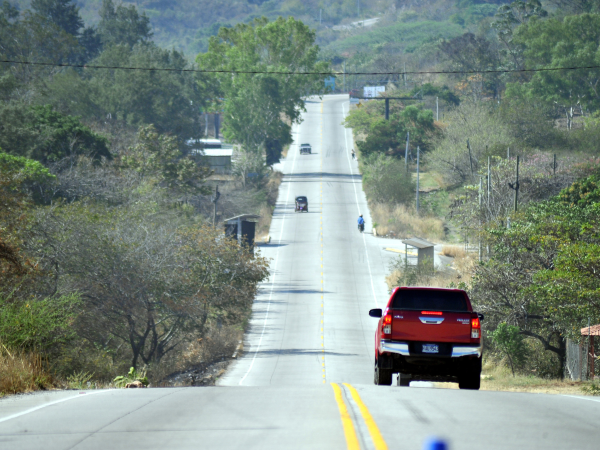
pixel 578 361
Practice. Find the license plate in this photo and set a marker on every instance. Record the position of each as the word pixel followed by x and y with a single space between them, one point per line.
pixel 430 348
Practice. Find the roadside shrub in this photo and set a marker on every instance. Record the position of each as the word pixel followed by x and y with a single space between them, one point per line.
pixel 453 251
pixel 39 325
pixel 22 372
pixel 385 180
pixel 402 221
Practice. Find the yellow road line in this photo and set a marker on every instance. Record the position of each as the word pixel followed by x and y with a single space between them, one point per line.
pixel 396 250
pixel 376 436
pixel 349 431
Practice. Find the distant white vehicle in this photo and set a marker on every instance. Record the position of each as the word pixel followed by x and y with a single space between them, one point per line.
pixel 205 143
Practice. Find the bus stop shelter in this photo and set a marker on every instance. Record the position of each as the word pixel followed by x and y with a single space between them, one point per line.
pixel 242 228
pixel 425 251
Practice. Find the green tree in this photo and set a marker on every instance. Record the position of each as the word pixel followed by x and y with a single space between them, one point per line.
pixel 572 42
pixel 63 13
pixel 256 104
pixel 385 180
pixel 157 157
pixel 123 25
pixel 30 37
pixel 59 136
pixel 389 136
pixel 169 100
pixel 510 341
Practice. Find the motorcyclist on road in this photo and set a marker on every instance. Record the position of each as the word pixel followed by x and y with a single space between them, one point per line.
pixel 361 223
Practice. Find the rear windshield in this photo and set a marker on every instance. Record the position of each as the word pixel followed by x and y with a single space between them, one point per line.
pixel 432 300
pixel 301 199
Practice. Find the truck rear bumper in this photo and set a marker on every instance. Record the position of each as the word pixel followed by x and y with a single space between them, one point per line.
pixel 402 348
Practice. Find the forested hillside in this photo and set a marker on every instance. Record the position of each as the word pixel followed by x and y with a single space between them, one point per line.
pixel 112 250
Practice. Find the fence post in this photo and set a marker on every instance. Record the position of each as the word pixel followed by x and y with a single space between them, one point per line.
pixel 418 154
pixel 470 157
pixel 406 151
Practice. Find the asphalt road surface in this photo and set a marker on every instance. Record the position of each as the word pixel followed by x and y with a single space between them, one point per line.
pixel 304 380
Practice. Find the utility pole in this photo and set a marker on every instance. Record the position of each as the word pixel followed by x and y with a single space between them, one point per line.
pixel 404 73
pixel 515 186
pixel 358 8
pixel 418 154
pixel 480 198
pixel 470 157
pixel 215 199
pixel 344 75
pixel 554 164
pixel 489 181
pixel 406 151
pixel 387 109
pixel 437 110
pixel 508 153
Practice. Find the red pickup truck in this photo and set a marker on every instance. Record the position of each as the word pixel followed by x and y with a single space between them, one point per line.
pixel 429 334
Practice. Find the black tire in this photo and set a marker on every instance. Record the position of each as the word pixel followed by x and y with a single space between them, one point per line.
pixel 471 377
pixel 403 380
pixel 383 377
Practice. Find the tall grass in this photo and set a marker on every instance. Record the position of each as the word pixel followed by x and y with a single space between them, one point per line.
pixel 461 271
pixel 453 251
pixel 402 221
pixel 22 372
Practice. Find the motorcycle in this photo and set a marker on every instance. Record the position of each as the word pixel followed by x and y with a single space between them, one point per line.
pixel 361 227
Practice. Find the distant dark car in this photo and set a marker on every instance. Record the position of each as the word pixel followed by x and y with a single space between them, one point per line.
pixel 305 149
pixel 301 204
pixel 428 334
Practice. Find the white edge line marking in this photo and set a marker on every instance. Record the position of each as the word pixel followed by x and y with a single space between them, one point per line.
pixel 22 413
pixel 583 398
pixel 357 205
pixel 287 196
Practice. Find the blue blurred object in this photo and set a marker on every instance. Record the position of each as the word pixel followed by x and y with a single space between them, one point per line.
pixel 434 443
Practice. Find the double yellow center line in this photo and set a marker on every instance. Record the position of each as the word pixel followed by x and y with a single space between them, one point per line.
pixel 352 441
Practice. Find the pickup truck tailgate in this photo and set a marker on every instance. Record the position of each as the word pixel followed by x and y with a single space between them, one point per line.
pixel 440 326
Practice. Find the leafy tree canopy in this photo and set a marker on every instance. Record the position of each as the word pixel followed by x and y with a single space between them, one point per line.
pixel 389 136
pixel 168 100
pixel 255 104
pixel 64 13
pixel 64 136
pixel 574 41
pixel 123 25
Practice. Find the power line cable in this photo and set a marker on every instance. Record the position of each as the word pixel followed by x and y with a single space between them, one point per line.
pixel 265 72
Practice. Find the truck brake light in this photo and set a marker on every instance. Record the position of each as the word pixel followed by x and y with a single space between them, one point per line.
pixel 475 328
pixel 433 313
pixel 387 324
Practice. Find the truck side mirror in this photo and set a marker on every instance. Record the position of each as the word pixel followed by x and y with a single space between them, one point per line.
pixel 377 312
pixel 481 317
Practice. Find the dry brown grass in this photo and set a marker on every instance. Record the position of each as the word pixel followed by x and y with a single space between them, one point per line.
pixel 438 279
pixel 402 221
pixel 22 372
pixel 461 271
pixel 453 251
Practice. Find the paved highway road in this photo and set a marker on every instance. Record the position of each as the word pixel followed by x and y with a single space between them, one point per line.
pixel 305 377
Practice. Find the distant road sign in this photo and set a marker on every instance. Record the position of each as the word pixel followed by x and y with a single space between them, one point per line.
pixel 373 91
pixel 354 101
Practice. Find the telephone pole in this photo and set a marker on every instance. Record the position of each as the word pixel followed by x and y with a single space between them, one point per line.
pixel 515 186
pixel 418 154
pixel 406 151
pixel 215 199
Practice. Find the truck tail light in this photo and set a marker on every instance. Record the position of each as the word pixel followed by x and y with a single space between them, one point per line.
pixel 475 328
pixel 387 324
